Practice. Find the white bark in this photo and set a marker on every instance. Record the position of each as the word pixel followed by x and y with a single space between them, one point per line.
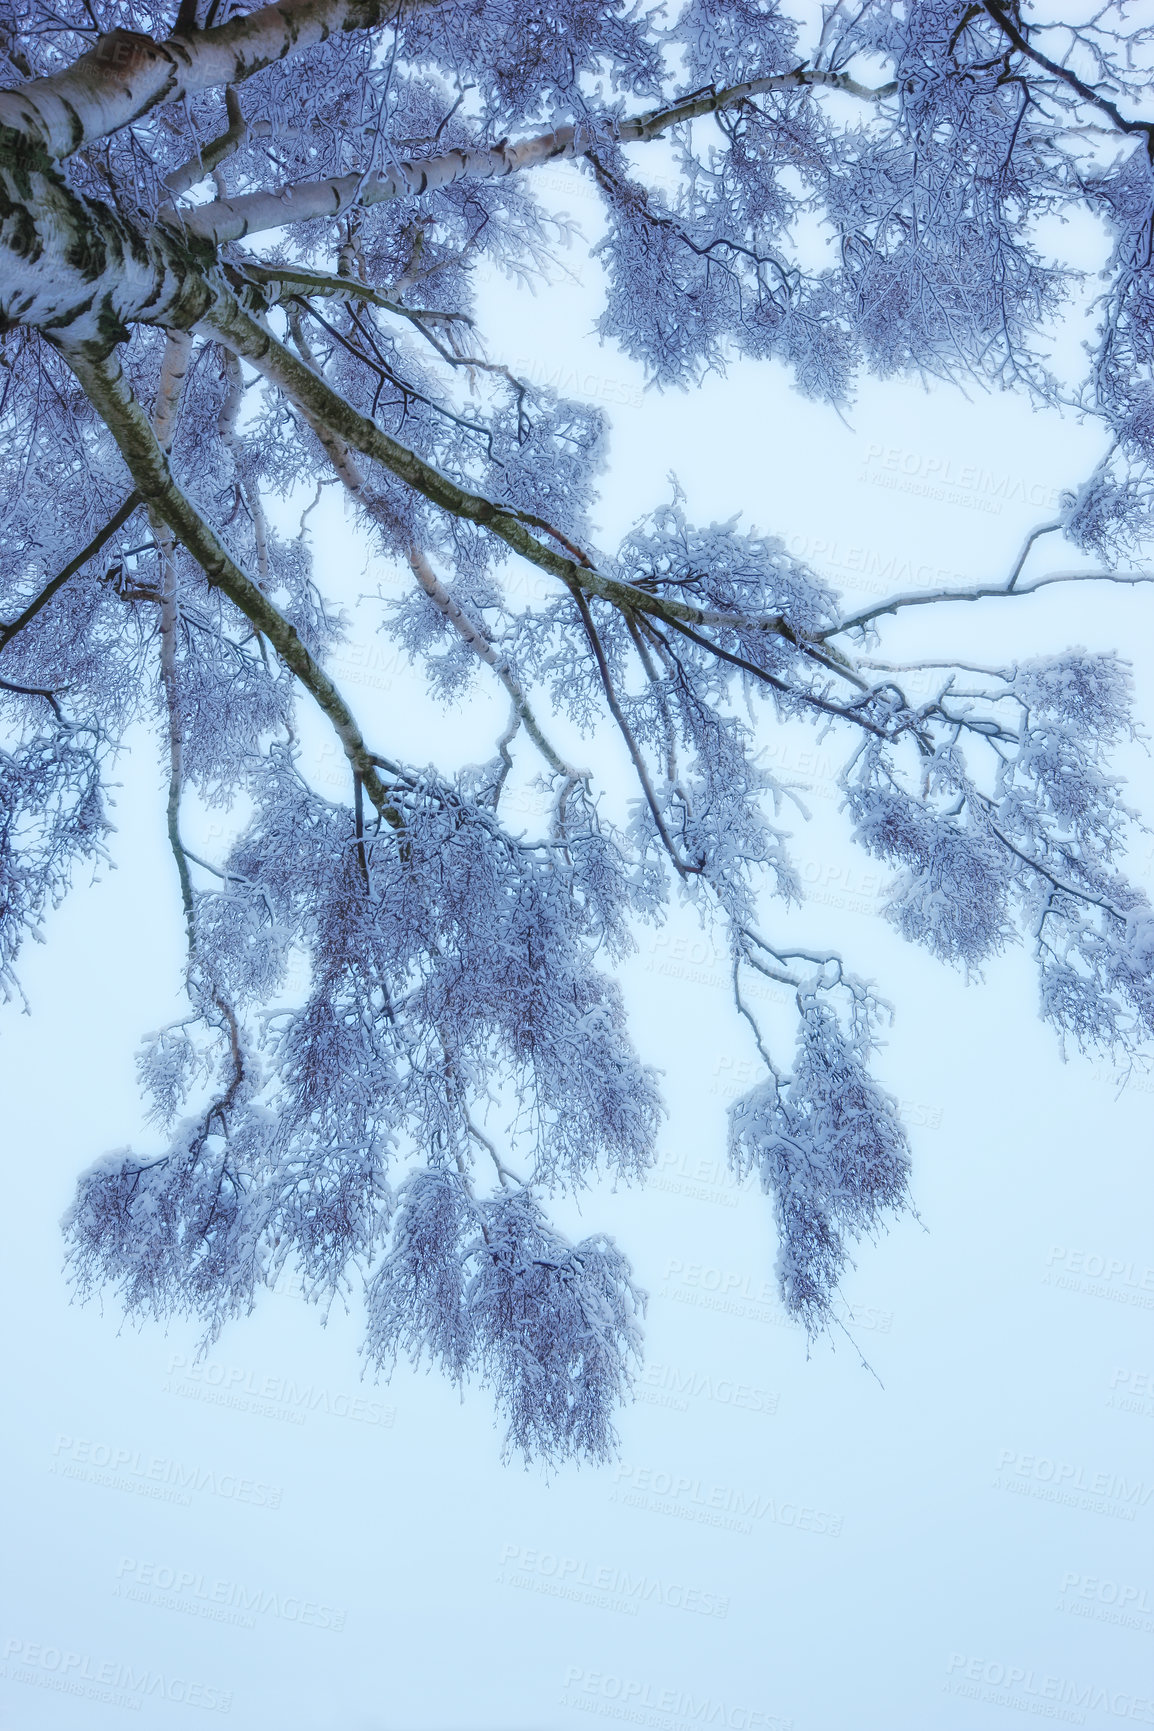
pixel 173 372
pixel 126 74
pixel 256 212
pixel 80 273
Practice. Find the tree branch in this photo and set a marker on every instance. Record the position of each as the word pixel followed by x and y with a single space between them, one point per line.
pixel 983 592
pixel 128 74
pixel 1065 76
pixel 230 324
pixel 254 212
pixel 99 540
pixel 173 372
pixel 231 440
pixel 103 383
pixel 478 641
pixel 353 480
pixel 169 615
pixel 627 735
pixel 286 280
pixel 216 151
pixel 33 691
pixel 304 284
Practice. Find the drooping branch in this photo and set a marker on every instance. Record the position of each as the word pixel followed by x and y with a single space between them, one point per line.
pixel 103 383
pixel 1060 883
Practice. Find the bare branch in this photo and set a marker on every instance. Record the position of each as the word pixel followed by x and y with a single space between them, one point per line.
pixel 982 592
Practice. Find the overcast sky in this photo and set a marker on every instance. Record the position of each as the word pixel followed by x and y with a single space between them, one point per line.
pixel 944 1519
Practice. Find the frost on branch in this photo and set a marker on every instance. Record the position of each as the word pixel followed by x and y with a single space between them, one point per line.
pixel 1019 835
pixel 735 39
pixel 952 890
pixel 941 271
pixel 829 1147
pixel 439 957
pixel 491 1292
pixel 402 1030
pixel 52 817
pixel 556 1331
pixel 176 1236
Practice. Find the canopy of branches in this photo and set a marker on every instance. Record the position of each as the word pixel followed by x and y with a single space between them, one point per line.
pixel 238 262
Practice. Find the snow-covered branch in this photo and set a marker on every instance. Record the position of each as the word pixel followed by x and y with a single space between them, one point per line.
pixel 230 219
pixel 127 74
pixel 456 1045
pixel 146 464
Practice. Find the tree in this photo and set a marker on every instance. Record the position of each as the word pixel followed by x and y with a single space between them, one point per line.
pixel 237 259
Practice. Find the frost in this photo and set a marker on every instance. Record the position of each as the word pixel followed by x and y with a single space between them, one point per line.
pixel 402 1032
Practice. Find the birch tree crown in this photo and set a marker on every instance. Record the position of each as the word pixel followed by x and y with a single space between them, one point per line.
pixel 239 253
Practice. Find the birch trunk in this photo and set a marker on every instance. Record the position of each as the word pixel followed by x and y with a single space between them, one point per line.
pixel 256 212
pixel 127 75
